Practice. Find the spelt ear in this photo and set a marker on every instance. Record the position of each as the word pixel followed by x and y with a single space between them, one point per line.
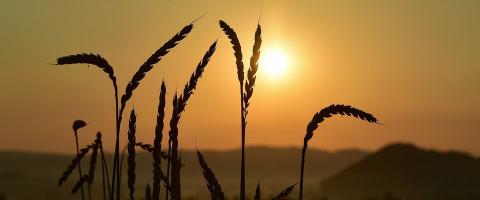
pixel 236 48
pixel 157 168
pixel 75 162
pixel 212 183
pixel 252 71
pixel 153 59
pixel 285 193
pixel 336 110
pixel 93 158
pixel 92 59
pixel 131 153
pixel 79 183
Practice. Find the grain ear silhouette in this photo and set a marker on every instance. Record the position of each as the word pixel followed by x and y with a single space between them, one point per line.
pixel 249 85
pixel 283 195
pixel 212 183
pixel 131 154
pixel 180 103
pixel 319 117
pixel 157 144
pixel 102 63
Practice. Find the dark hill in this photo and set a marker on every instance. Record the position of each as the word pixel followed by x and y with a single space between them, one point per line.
pixel 408 172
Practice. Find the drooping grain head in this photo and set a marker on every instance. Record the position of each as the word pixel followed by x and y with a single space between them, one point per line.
pixel 77 124
pixel 336 109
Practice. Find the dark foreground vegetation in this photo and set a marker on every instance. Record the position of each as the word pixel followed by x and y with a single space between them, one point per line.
pixel 395 172
pixel 169 176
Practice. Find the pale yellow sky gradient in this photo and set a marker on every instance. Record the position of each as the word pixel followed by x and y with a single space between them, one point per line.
pixel 414 64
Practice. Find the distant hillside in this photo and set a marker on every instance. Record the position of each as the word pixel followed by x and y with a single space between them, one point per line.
pixel 408 172
pixel 34 176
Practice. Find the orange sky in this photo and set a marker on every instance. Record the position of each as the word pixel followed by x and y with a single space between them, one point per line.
pixel 415 65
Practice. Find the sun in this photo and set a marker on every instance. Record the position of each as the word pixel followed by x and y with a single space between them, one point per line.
pixel 274 63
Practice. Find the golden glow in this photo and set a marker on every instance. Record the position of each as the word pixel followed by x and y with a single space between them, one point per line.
pixel 274 62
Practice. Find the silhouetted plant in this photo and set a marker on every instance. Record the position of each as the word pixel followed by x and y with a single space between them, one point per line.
pixel 105 178
pixel 157 144
pixel 77 124
pixel 140 74
pixel 212 183
pixel 74 163
pixel 249 85
pixel 131 154
pixel 320 117
pixel 283 195
pixel 100 62
pixel 79 183
pixel 179 104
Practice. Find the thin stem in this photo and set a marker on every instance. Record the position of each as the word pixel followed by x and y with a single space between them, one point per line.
pixel 115 173
pixel 89 191
pixel 106 174
pixel 79 165
pixel 302 167
pixel 103 181
pixel 242 172
pixel 168 169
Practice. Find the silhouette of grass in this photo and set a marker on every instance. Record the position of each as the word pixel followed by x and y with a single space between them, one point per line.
pixel 75 162
pixel 319 117
pixel 103 64
pixel 77 124
pixel 157 144
pixel 93 158
pixel 135 81
pixel 79 183
pixel 249 85
pixel 212 183
pixel 180 103
pixel 283 195
pixel 131 154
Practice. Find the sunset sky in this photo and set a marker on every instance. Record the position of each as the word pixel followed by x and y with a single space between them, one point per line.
pixel 414 64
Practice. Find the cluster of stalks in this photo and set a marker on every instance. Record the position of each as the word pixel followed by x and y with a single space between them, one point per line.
pixel 169 177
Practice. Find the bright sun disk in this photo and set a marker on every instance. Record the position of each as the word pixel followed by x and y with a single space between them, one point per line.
pixel 274 63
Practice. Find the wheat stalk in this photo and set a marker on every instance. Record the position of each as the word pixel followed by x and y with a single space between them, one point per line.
pixel 179 107
pixel 212 183
pixel 319 117
pixel 105 178
pixel 131 153
pixel 77 124
pixel 285 193
pixel 135 81
pixel 157 144
pixel 249 85
pixel 74 163
pixel 103 64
